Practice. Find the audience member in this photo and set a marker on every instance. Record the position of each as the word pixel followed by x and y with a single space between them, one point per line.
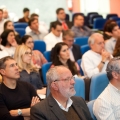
pixel 8 41
pixel 28 72
pixel 61 56
pixel 95 60
pixel 37 57
pixel 107 35
pixel 79 29
pixel 54 36
pixel 25 18
pixel 9 25
pixel 61 103
pixel 61 18
pixel 42 25
pixel 16 97
pixel 2 21
pixel 35 32
pixel 107 105
pixel 68 38
pixel 113 28
pixel 5 14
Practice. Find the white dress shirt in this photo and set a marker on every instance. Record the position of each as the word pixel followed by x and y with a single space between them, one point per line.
pixel 10 50
pixel 2 25
pixel 90 61
pixel 71 54
pixel 107 105
pixel 51 40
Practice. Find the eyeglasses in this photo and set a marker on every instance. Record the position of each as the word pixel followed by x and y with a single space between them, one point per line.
pixel 28 53
pixel 30 42
pixel 67 79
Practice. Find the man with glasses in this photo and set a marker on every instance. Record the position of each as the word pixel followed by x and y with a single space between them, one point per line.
pixel 107 105
pixel 61 104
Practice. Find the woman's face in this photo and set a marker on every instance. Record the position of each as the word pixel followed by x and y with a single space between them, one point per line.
pixel 10 26
pixel 64 53
pixel 11 38
pixel 30 43
pixel 27 56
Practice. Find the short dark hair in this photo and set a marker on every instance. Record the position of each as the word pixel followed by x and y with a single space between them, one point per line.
pixel 58 10
pixel 111 26
pixel 3 60
pixel 25 38
pixel 75 16
pixel 31 20
pixel 6 23
pixel 33 15
pixel 1 10
pixel 54 24
pixel 25 10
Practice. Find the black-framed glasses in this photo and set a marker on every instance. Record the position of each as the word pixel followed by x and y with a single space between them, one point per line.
pixel 66 79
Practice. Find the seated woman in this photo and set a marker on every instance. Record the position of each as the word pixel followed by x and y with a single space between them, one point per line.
pixel 61 56
pixel 37 57
pixel 8 41
pixel 28 72
pixel 9 25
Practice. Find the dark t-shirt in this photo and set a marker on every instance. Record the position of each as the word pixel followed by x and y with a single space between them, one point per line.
pixel 12 99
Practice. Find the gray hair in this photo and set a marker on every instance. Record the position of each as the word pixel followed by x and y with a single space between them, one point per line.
pixel 113 65
pixel 91 39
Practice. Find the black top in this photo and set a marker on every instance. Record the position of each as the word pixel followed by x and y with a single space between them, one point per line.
pixel 12 99
pixel 32 78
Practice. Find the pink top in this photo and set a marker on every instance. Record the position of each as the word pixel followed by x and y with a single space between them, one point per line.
pixel 38 58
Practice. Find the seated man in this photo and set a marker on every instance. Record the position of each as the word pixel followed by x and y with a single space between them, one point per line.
pixel 107 105
pixel 114 30
pixel 36 33
pixel 79 28
pixel 26 15
pixel 61 104
pixel 61 18
pixel 95 60
pixel 68 38
pixel 16 97
pixel 54 36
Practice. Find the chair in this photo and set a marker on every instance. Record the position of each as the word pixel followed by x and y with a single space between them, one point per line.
pixel 21 31
pixel 67 17
pixel 85 48
pixel 111 15
pixel 90 107
pixel 98 83
pixel 47 55
pixel 39 45
pixel 115 18
pixel 79 63
pixel 20 25
pixel 81 41
pixel 118 22
pixel 99 23
pixel 45 68
pixel 91 13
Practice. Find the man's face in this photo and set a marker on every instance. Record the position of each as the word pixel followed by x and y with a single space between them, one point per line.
pixel 68 40
pixel 98 45
pixel 26 14
pixel 57 31
pixel 116 32
pixel 11 70
pixel 1 15
pixel 79 21
pixel 34 25
pixel 5 14
pixel 61 15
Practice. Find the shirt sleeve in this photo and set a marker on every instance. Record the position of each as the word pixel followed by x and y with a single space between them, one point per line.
pixel 48 44
pixel 4 112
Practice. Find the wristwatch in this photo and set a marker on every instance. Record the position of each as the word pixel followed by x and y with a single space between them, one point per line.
pixel 19 112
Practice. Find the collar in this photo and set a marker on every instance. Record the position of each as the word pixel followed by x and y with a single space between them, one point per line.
pixel 113 39
pixel 69 103
pixel 35 32
pixel 114 88
pixel 61 21
pixel 71 48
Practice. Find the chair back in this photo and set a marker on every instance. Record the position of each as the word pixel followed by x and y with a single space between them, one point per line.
pixel 21 31
pixel 85 48
pixel 79 63
pixel 81 41
pixel 47 55
pixel 111 15
pixel 20 25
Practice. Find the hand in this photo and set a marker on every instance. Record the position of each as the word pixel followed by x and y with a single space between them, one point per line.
pixel 26 118
pixel 105 55
pixel 34 100
pixel 14 43
pixel 14 112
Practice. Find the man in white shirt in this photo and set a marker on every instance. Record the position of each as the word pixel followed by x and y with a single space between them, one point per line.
pixel 114 30
pixel 107 105
pixel 61 104
pixel 95 60
pixel 54 36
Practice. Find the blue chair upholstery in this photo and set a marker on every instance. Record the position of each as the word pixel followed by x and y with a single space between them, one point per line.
pixel 40 45
pixel 118 22
pixel 20 25
pixel 21 31
pixel 45 68
pixel 111 15
pixel 99 23
pixel 90 107
pixel 98 83
pixel 85 48
pixel 81 41
pixel 79 63
pixel 92 18
pixel 47 55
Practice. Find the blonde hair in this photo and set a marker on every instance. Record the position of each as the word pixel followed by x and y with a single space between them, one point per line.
pixel 19 52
